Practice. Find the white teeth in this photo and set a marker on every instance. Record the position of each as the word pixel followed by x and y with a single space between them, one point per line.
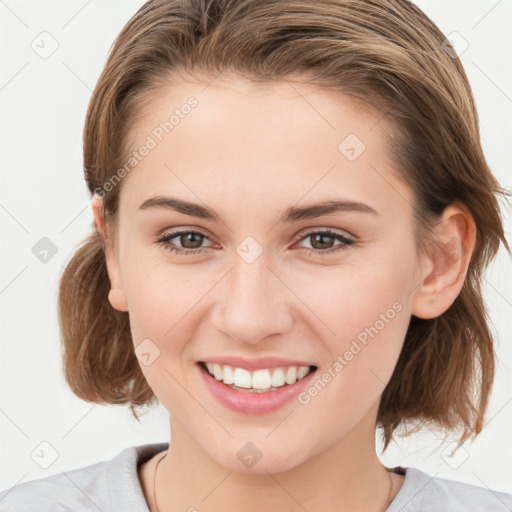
pixel 278 379
pixel 217 371
pixel 302 372
pixel 242 378
pixel 228 375
pixel 259 379
pixel 291 375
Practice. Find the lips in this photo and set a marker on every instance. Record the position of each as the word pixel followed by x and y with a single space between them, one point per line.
pixel 250 400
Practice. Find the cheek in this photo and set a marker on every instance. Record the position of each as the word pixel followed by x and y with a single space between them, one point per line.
pixel 166 305
pixel 362 311
pixel 163 309
pixel 347 299
pixel 362 355
pixel 159 293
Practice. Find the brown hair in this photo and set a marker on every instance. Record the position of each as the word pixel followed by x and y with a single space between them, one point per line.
pixel 388 56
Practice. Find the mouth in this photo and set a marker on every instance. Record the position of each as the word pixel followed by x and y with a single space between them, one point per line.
pixel 263 380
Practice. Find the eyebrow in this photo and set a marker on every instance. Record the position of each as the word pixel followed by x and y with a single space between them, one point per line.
pixel 292 214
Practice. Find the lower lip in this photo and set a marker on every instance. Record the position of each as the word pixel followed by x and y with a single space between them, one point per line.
pixel 253 402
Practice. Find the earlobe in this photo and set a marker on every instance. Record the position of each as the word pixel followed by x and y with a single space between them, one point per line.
pixel 117 299
pixel 449 261
pixel 116 295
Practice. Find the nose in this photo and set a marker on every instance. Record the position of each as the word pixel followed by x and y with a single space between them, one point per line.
pixel 253 302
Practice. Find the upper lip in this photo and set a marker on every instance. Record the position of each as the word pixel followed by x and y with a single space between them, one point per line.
pixel 256 364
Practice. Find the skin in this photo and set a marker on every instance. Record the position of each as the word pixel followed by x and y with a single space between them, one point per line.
pixel 249 152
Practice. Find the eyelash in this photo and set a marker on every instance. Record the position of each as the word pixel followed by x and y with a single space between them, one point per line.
pixel 167 237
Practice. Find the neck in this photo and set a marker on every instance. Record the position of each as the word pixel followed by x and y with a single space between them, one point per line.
pixel 348 476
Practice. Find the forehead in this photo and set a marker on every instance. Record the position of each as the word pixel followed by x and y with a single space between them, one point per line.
pixel 234 141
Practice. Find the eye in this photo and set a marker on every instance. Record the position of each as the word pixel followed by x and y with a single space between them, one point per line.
pixel 321 240
pixel 191 242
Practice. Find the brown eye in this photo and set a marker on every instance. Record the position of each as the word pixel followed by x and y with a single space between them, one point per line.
pixel 322 242
pixel 187 242
pixel 191 240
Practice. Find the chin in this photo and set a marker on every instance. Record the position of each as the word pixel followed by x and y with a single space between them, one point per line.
pixel 250 459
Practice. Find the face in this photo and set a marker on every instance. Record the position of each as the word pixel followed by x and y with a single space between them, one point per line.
pixel 265 281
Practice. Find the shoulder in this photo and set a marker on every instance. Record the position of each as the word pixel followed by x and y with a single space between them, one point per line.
pixel 422 492
pixel 105 486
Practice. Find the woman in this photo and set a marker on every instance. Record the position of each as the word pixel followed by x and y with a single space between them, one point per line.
pixel 292 217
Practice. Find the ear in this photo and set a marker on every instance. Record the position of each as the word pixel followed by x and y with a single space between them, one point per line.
pixel 116 295
pixel 447 262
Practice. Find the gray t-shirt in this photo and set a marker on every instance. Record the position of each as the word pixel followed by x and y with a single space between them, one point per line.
pixel 114 486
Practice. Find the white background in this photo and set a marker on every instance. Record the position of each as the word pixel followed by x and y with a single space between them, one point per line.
pixel 43 194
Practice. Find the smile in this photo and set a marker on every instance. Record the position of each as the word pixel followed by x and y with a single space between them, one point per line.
pixel 259 391
pixel 261 380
